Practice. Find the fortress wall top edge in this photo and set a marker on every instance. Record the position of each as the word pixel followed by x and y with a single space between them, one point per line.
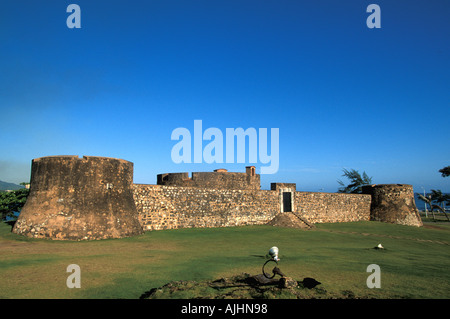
pixel 331 193
pixel 389 185
pixel 64 173
pixel 76 157
pixel 218 179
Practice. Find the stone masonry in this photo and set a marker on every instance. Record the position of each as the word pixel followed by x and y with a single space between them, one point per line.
pixel 168 207
pixel 219 179
pixel 75 198
pixel 332 207
pixel 393 203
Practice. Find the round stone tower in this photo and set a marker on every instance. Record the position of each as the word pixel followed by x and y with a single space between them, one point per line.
pixel 393 203
pixel 74 198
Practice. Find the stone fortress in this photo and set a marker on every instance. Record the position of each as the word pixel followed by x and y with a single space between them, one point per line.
pixel 86 198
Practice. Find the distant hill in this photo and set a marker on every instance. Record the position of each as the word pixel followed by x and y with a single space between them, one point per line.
pixel 9 186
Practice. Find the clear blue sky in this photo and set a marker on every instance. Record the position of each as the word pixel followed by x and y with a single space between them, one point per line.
pixel 341 94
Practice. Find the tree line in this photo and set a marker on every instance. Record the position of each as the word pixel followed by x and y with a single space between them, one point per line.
pixel 11 202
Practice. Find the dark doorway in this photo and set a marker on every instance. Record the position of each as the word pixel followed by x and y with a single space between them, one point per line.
pixel 287 202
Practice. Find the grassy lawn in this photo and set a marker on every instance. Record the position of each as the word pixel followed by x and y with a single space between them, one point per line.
pixel 415 264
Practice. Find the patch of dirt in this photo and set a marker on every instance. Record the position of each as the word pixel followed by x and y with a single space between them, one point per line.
pixel 290 220
pixel 244 286
pixel 434 227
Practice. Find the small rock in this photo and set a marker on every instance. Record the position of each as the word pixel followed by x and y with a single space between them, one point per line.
pixel 287 282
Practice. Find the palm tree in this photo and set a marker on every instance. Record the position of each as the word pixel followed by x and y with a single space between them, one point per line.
pixel 445 171
pixel 357 182
pixel 438 197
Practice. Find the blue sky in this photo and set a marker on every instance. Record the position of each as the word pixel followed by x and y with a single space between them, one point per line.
pixel 341 94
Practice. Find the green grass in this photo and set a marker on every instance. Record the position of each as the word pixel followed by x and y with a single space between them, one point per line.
pixel 415 264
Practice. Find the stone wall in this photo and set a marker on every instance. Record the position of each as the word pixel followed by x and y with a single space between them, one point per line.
pixel 332 207
pixel 169 207
pixel 219 179
pixel 278 186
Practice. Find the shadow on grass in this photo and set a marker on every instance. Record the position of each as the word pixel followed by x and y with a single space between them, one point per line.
pixel 11 223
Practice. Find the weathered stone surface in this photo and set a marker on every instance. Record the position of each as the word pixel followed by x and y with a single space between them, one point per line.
pixel 393 203
pixel 287 282
pixel 332 207
pixel 219 179
pixel 168 207
pixel 75 198
pixel 278 186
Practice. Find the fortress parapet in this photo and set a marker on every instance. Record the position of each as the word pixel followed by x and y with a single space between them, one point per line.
pixel 74 198
pixel 219 179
